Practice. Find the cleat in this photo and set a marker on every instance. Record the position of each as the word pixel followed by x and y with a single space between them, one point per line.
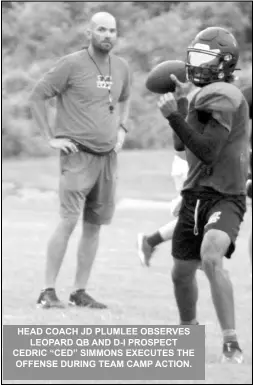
pixel 145 251
pixel 49 299
pixel 82 299
pixel 232 353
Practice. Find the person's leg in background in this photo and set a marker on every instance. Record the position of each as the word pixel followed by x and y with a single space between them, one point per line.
pixel 99 210
pixel 55 254
pixel 146 244
pixel 87 250
pixel 78 172
pixel 56 250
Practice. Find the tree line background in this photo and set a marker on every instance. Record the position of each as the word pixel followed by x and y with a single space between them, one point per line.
pixel 36 34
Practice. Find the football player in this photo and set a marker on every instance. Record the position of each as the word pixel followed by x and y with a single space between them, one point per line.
pixel 147 244
pixel 215 137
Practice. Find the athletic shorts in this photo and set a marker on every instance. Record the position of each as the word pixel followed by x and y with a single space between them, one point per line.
pixel 87 185
pixel 197 216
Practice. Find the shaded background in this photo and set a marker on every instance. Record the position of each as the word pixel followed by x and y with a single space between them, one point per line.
pixel 36 34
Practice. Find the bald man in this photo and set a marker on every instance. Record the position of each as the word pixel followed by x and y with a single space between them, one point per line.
pixel 89 132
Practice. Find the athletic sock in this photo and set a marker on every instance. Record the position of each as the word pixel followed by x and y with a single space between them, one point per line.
pixel 155 239
pixel 229 335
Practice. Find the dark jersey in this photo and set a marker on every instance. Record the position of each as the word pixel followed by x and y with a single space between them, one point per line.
pixel 224 104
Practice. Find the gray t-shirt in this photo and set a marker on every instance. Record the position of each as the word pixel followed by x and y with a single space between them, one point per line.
pixel 83 100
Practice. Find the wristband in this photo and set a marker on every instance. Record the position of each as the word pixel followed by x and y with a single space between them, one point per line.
pixel 124 128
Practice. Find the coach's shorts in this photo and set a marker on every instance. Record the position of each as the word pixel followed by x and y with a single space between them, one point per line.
pixel 88 184
pixel 197 216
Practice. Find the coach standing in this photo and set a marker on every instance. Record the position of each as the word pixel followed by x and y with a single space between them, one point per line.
pixel 89 132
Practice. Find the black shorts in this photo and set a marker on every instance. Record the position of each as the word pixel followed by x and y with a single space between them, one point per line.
pixel 200 214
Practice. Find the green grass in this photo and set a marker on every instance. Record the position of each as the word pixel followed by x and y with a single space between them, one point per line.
pixel 142 174
pixel 136 296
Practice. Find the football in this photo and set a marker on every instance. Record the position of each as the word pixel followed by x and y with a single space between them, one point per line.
pixel 159 81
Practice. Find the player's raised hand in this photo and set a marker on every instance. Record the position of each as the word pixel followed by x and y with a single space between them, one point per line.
pixel 167 104
pixel 181 88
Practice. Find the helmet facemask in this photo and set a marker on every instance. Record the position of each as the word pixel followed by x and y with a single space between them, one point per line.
pixel 204 67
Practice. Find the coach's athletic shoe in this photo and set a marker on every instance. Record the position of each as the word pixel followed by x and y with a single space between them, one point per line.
pixel 48 299
pixel 232 352
pixel 82 299
pixel 145 251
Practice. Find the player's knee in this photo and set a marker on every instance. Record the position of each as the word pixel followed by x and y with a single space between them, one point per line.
pixel 182 273
pixel 214 247
pixel 176 276
pixel 209 265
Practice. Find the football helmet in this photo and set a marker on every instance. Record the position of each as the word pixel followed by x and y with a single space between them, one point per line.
pixel 212 56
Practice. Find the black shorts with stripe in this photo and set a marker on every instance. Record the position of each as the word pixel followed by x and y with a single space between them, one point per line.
pixel 202 212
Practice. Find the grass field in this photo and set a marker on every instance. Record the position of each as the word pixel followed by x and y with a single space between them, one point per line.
pixel 135 296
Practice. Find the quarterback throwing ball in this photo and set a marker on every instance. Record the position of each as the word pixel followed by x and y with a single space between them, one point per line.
pixel 215 137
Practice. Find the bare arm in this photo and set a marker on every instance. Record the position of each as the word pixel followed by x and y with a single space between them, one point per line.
pixel 124 99
pixel 123 129
pixel 124 107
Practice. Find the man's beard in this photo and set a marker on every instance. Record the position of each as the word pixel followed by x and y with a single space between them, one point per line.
pixel 103 49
